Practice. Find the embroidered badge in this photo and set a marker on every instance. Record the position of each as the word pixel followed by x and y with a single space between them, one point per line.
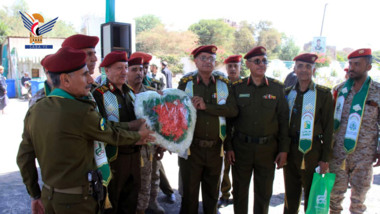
pixel 102 124
pixel 344 90
pixel 357 107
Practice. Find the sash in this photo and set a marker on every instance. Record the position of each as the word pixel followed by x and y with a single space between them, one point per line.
pixel 221 98
pixel 307 119
pixel 356 113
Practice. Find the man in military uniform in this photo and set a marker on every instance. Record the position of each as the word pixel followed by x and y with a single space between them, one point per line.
pixel 87 44
pixel 260 139
pixel 150 178
pixel 311 128
pixel 356 122
pixel 213 100
pixel 147 80
pixel 65 152
pixel 233 66
pixel 115 102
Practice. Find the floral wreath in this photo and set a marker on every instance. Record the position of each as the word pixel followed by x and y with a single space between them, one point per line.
pixel 171 116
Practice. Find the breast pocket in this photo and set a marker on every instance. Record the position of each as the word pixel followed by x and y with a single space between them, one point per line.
pixel 269 103
pixel 243 102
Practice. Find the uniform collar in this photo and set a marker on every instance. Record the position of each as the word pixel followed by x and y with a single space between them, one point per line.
pixel 113 88
pixel 57 92
pixel 265 82
pixel 310 87
pixel 199 79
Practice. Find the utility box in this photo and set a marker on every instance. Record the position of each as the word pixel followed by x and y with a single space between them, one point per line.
pixel 116 36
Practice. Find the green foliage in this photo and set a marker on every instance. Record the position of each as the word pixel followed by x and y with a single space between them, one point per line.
pixel 376 57
pixel 213 31
pixel 174 64
pixel 289 49
pixel 244 39
pixel 271 40
pixel 159 41
pixel 147 22
pixel 341 56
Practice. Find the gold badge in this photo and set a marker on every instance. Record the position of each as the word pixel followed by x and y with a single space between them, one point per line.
pixel 111 87
pixel 361 51
pixel 262 50
pixel 213 50
pixel 313 58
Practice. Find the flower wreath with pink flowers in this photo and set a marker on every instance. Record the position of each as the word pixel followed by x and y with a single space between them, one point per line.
pixel 171 116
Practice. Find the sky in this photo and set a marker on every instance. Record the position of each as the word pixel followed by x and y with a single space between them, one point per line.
pixel 347 23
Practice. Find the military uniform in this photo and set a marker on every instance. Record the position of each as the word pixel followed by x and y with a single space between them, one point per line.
pixel 156 84
pixel 62 142
pixel 125 165
pixel 40 94
pixel 260 133
pixel 204 164
pixel 297 178
pixel 358 169
pixel 150 177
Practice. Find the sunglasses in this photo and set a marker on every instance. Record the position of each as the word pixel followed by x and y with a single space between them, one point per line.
pixel 258 61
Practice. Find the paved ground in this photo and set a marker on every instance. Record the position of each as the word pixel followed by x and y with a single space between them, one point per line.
pixel 15 200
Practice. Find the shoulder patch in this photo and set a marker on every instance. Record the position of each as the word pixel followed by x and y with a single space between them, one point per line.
pixel 323 88
pixel 287 89
pixel 224 79
pixel 130 88
pixel 186 79
pixel 237 82
pixel 102 89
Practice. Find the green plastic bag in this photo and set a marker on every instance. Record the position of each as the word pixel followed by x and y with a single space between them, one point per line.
pixel 319 198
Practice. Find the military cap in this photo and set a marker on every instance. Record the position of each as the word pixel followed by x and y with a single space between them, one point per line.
pixel 211 49
pixel 146 57
pixel 66 60
pixel 360 53
pixel 256 51
pixel 80 41
pixel 43 60
pixel 233 59
pixel 346 69
pixel 306 57
pixel 114 56
pixel 135 61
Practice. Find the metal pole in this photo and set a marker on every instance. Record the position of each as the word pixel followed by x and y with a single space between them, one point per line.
pixel 323 19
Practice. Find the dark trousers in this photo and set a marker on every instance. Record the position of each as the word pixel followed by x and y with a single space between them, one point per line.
pixel 164 182
pixel 296 179
pixel 259 159
pixel 125 184
pixel 226 182
pixel 203 166
pixel 60 203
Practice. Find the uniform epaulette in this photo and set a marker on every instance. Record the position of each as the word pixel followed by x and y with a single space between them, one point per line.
pixel 237 82
pixel 323 88
pixel 186 79
pixel 102 89
pixel 288 88
pixel 224 79
pixel 276 81
pixel 130 87
pixel 150 88
pixel 156 81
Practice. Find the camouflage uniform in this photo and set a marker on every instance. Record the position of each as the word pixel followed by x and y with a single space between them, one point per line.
pixel 150 177
pixel 358 171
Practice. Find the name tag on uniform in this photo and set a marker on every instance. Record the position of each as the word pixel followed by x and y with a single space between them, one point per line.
pixel 244 95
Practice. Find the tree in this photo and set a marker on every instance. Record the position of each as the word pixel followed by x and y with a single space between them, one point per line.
pixel 213 31
pixel 289 49
pixel 159 41
pixel 244 39
pixel 147 22
pixel 271 40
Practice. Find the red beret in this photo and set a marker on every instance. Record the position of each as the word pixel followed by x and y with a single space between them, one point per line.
pixel 360 53
pixel 80 41
pixel 146 57
pixel 135 61
pixel 211 49
pixel 257 51
pixel 66 60
pixel 346 69
pixel 114 56
pixel 233 59
pixel 43 60
pixel 306 57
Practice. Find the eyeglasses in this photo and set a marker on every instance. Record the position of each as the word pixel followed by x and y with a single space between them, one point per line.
pixel 258 61
pixel 208 59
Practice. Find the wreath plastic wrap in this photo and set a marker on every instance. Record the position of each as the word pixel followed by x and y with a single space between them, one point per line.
pixel 171 116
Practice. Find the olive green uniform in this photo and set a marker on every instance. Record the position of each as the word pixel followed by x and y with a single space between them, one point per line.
pixel 125 166
pixel 60 131
pixel 205 162
pixel 260 133
pixel 295 177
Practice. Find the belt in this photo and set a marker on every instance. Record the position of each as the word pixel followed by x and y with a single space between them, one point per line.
pixel 72 190
pixel 258 140
pixel 204 143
